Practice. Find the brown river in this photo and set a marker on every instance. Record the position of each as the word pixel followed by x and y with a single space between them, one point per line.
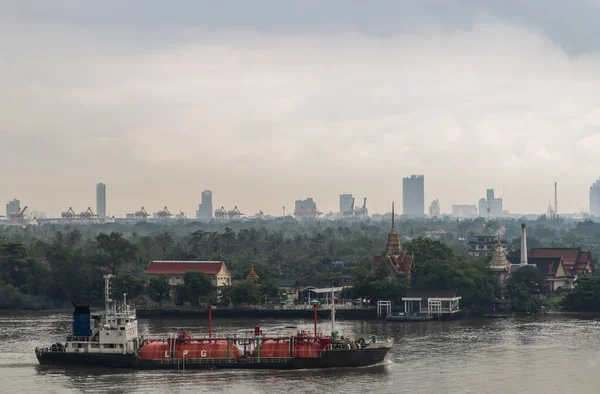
pixel 552 354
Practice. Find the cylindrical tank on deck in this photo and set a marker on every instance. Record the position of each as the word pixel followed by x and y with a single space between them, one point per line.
pixel 306 348
pixel 273 349
pixel 154 350
pixel 209 349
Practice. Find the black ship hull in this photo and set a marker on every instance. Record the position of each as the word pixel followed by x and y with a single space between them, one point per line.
pixel 343 358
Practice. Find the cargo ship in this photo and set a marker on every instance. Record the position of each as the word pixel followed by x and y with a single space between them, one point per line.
pixel 110 339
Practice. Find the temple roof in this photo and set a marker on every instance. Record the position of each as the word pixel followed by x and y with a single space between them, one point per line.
pixel 252 274
pixel 158 267
pixel 499 262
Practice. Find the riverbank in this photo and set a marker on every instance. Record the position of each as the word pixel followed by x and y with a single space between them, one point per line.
pixel 348 314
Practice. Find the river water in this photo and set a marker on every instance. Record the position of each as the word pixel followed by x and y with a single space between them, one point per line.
pixel 552 354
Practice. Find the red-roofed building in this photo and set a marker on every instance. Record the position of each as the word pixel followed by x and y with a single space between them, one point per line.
pixel 576 262
pixel 175 270
pixel 557 277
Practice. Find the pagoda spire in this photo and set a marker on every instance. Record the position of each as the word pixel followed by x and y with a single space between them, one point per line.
pixel 392 246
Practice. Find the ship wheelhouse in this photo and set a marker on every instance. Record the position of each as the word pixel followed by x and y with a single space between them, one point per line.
pixel 113 332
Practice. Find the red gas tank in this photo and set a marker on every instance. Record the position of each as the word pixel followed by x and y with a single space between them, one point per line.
pixel 208 349
pixel 273 349
pixel 306 348
pixel 154 351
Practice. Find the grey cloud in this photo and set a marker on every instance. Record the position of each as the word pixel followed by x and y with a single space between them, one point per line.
pixel 573 25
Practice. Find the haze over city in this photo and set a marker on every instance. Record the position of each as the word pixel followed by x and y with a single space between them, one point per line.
pixel 265 103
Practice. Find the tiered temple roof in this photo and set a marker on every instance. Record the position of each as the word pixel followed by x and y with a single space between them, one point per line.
pixel 252 274
pixel 397 258
pixel 499 262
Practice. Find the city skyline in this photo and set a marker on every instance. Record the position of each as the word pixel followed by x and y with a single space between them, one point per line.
pixel 162 102
pixel 204 208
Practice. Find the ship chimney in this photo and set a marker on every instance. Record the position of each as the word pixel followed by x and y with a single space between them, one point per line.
pixel 523 244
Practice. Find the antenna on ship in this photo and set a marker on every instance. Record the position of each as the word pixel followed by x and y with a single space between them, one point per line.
pixel 332 310
pixel 107 299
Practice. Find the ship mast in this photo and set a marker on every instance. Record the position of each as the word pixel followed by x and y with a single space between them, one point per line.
pixel 107 299
pixel 332 310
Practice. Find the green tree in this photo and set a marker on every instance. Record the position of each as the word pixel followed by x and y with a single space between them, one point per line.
pixel 269 291
pixel 376 286
pixel 585 295
pixel 426 250
pixel 130 284
pixel 114 251
pixel 159 289
pixel 245 293
pixel 525 286
pixel 196 284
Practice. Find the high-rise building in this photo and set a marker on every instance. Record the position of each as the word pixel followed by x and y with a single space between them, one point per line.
pixel 205 209
pixel 101 200
pixel 595 199
pixel 434 209
pixel 495 207
pixel 489 193
pixel 464 211
pixel 483 208
pixel 346 204
pixel 12 207
pixel 413 195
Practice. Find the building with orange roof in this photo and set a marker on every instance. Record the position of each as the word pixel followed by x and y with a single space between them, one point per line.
pixel 252 274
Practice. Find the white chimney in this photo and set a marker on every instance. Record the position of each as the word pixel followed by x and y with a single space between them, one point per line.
pixel 523 244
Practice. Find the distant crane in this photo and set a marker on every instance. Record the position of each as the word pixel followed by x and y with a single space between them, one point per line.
pixel 234 213
pixel 87 214
pixel 141 214
pixel 307 213
pixel 69 214
pixel 164 214
pixel 19 216
pixel 220 213
pixel 362 211
pixel 350 212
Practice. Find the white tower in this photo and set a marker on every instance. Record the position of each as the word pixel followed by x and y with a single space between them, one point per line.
pixel 523 244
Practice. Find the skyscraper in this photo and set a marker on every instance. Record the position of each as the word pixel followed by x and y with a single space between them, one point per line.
pixel 483 212
pixel 12 207
pixel 595 199
pixel 101 200
pixel 346 204
pixel 205 209
pixel 490 196
pixel 413 195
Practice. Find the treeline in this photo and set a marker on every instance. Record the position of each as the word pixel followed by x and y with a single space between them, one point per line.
pixel 53 265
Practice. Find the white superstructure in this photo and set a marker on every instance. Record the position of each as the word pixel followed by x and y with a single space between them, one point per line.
pixel 115 331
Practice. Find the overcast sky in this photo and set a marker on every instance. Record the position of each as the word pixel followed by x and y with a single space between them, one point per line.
pixel 268 101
